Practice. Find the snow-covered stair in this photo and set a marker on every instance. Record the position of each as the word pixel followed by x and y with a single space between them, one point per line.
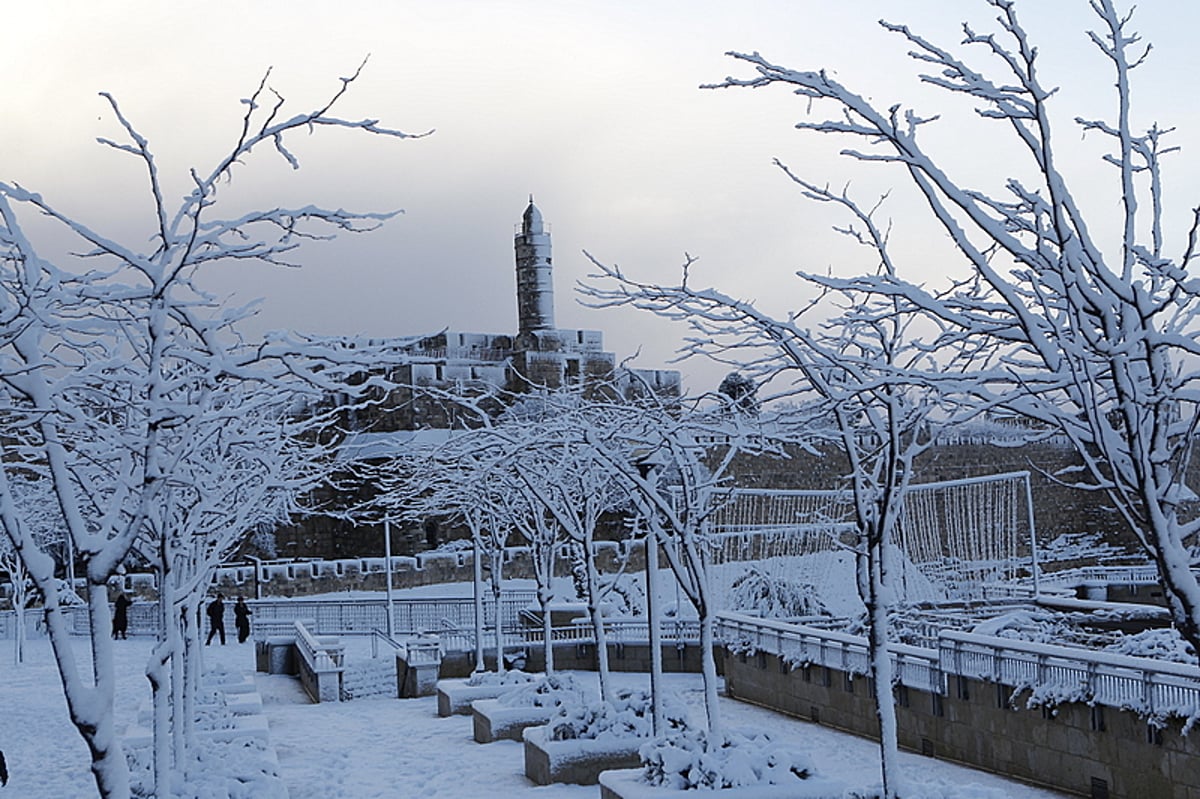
pixel 369 677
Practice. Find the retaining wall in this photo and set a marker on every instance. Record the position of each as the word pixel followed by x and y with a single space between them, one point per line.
pixel 1100 752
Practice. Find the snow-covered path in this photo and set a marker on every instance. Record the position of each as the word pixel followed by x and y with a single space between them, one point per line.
pixel 385 747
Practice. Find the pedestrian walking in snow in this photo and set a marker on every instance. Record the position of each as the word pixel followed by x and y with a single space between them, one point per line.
pixel 120 621
pixel 241 619
pixel 3 770
pixel 216 619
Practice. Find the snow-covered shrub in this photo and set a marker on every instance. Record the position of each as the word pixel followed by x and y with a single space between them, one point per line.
pixel 774 598
pixel 513 678
pixel 623 596
pixel 1091 548
pixel 1161 644
pixel 629 715
pixel 687 760
pixel 1027 625
pixel 552 690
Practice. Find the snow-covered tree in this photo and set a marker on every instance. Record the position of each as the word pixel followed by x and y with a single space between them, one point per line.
pixel 40 513
pixel 106 354
pixel 246 466
pixel 742 392
pixel 1097 334
pixel 858 371
pixel 696 447
pixel 456 480
pixel 564 474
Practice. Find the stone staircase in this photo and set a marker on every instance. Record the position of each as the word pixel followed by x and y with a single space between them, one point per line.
pixel 370 677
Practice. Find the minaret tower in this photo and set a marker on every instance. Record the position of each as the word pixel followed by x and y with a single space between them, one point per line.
pixel 535 283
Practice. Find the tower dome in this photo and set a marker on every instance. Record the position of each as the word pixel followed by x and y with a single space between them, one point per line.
pixel 532 221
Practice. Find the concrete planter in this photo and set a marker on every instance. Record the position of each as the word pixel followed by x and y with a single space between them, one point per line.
pixel 495 721
pixel 627 784
pixel 455 696
pixel 578 762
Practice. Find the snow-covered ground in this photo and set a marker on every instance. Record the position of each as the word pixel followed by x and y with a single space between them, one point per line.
pixel 388 747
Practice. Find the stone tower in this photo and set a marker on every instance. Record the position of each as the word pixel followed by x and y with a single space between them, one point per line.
pixel 535 283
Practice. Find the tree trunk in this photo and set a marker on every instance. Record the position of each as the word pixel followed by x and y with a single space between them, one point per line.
pixel 477 586
pixel 593 592
pixel 91 706
pixel 158 672
pixel 497 620
pixel 544 597
pixel 881 666
pixel 709 670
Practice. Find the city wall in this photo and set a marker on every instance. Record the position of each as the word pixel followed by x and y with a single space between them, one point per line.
pixel 304 578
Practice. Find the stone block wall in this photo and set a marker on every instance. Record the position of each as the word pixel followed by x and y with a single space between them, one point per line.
pixel 1088 751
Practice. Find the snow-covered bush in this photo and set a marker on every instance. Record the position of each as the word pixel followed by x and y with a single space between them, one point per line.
pixel 1088 548
pixel 552 690
pixel 513 678
pixel 686 760
pixel 623 596
pixel 629 715
pixel 1028 625
pixel 1161 644
pixel 774 598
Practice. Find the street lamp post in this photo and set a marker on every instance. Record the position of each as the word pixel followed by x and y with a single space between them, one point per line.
pixel 387 570
pixel 647 467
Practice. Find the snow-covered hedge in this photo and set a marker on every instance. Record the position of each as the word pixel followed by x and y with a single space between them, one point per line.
pixel 687 760
pixel 628 715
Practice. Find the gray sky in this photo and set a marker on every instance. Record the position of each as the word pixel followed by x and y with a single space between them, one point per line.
pixel 593 106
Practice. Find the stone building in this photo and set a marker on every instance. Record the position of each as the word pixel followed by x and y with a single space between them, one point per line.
pixel 491 368
pixel 537 356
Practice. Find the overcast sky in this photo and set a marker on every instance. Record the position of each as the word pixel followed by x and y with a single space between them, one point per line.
pixel 592 106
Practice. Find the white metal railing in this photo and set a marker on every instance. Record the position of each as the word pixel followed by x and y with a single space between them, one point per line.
pixel 361 616
pixel 1112 575
pixel 322 654
pixel 1150 687
pixel 619 631
pixel 378 637
pixel 798 644
pixel 262 629
pixel 1054 673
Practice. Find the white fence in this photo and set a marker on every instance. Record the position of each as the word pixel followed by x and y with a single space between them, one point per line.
pixel 803 645
pixel 1054 673
pixel 1150 687
pixel 361 616
pixel 1109 575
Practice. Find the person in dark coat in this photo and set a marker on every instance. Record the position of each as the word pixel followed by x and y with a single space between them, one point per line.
pixel 3 771
pixel 241 618
pixel 216 619
pixel 121 616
